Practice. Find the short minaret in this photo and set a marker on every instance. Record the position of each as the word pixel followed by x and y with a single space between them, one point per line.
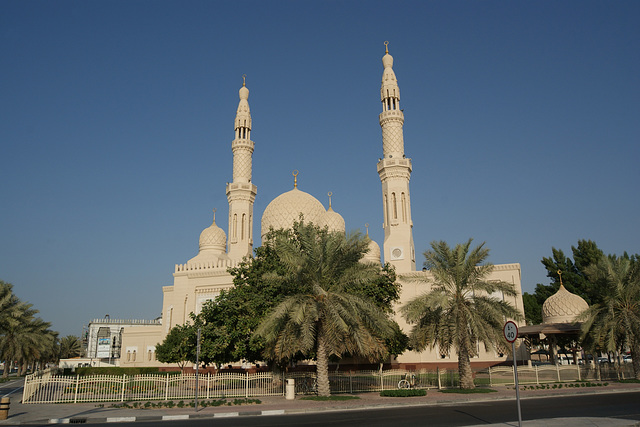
pixel 241 193
pixel 395 172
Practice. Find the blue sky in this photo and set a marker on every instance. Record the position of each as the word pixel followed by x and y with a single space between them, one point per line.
pixel 116 120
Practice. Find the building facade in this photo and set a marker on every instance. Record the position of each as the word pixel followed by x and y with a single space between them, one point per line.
pixel 202 277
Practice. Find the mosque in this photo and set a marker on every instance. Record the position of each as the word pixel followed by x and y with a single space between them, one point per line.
pixel 202 277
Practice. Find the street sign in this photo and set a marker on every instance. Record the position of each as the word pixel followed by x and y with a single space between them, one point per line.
pixel 510 331
pixel 511 334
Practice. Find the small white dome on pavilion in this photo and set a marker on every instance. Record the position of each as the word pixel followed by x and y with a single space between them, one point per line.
pixel 563 307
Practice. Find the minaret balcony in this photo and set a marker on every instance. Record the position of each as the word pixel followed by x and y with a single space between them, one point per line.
pixel 391 114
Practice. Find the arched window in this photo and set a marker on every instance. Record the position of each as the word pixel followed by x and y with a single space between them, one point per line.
pixel 395 205
pixel 404 208
pixel 386 210
pixel 235 226
pixel 243 225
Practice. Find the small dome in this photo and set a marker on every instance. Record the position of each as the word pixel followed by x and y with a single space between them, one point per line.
pixel 285 209
pixel 333 221
pixel 563 307
pixel 213 238
pixel 373 253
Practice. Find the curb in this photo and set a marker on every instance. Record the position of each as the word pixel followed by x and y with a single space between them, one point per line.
pixel 81 420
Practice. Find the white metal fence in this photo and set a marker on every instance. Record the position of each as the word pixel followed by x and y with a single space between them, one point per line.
pixel 49 388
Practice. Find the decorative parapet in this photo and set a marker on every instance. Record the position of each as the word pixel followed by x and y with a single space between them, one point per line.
pixel 110 321
pixel 209 265
pixel 498 267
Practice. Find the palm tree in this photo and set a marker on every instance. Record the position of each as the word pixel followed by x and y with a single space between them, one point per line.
pixel 614 324
pixel 69 346
pixel 459 311
pixel 326 316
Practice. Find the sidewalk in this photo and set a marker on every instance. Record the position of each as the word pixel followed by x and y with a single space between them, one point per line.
pixel 277 405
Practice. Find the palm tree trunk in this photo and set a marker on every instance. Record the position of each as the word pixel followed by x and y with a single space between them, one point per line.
pixel 635 360
pixel 464 368
pixel 322 367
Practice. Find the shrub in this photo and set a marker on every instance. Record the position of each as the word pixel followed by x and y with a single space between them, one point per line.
pixel 403 393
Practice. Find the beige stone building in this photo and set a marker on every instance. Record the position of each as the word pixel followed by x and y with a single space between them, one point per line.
pixel 203 277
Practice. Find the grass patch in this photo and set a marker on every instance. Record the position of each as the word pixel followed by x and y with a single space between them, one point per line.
pixel 630 381
pixel 403 393
pixel 468 390
pixel 329 398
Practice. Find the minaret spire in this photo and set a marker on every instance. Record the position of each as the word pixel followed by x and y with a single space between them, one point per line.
pixel 241 193
pixel 394 170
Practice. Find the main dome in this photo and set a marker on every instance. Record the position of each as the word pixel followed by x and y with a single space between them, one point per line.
pixel 563 307
pixel 285 209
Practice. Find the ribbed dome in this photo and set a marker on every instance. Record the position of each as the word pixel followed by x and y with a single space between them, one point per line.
pixel 562 307
pixel 373 254
pixel 213 238
pixel 285 209
pixel 333 221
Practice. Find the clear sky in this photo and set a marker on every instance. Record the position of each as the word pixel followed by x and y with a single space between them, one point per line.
pixel 522 119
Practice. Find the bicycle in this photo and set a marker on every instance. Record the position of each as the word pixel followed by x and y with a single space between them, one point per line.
pixel 409 381
pixel 307 386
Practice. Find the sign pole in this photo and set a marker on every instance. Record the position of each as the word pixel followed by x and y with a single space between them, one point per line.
pixel 197 363
pixel 511 334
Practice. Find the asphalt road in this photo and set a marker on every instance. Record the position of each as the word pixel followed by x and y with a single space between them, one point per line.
pixel 620 405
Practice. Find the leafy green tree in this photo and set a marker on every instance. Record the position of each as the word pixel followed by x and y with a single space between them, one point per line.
pixel 459 311
pixel 229 322
pixel 177 346
pixel 327 316
pixel 614 324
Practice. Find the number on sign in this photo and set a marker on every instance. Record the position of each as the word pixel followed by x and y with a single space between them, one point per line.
pixel 510 331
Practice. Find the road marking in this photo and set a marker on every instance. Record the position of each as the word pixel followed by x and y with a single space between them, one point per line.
pixel 12 391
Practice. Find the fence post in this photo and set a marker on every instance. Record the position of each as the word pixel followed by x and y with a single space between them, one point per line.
pixel 124 377
pixel 208 382
pixel 75 395
pixel 166 388
pixel 438 374
pixel 537 379
pixel 246 385
pixel 350 381
pixel 558 371
pixel 490 382
pixel 381 380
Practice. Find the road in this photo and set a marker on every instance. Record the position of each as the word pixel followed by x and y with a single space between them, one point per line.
pixel 7 389
pixel 619 405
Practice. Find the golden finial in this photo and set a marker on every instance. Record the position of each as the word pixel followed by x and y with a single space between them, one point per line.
pixel 295 178
pixel 329 194
pixel 386 47
pixel 367 227
pixel 244 77
pixel 560 276
pixel 214 214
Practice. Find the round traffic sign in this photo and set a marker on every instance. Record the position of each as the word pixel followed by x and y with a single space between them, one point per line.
pixel 510 331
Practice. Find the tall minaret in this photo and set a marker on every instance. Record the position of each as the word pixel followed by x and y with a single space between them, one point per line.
pixel 395 172
pixel 241 193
